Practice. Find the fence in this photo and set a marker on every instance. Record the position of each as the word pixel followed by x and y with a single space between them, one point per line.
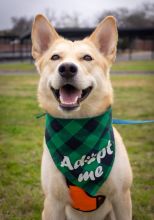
pixel 133 43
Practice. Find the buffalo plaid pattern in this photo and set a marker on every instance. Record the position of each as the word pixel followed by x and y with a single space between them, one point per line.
pixel 81 138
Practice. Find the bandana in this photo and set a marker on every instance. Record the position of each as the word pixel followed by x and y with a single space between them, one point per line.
pixel 82 149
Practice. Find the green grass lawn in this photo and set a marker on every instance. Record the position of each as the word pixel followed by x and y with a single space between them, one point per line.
pixel 134 66
pixel 17 66
pixel 21 138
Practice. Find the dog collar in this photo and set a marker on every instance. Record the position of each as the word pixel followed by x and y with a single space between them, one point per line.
pixel 82 149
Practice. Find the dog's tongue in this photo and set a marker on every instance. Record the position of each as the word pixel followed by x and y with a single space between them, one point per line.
pixel 69 95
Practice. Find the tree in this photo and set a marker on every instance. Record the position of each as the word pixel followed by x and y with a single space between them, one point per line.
pixel 142 16
pixel 65 20
pixel 21 25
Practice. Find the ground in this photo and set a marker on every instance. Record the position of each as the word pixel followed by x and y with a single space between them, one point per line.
pixel 120 66
pixel 21 136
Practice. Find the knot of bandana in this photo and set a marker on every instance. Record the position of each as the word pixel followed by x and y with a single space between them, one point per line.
pixel 82 149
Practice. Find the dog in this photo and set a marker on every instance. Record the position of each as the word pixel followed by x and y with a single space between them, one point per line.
pixel 75 83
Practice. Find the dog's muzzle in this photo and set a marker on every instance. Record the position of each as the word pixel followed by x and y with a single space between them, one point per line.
pixel 70 97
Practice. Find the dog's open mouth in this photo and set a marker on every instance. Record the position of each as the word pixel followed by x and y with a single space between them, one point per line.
pixel 69 97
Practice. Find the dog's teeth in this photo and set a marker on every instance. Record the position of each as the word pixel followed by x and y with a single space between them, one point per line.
pixel 68 103
pixel 61 99
pixel 76 99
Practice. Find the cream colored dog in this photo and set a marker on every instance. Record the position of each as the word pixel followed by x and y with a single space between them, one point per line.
pixel 74 83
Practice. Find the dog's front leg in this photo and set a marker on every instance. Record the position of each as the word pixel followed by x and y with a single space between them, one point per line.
pixel 110 216
pixel 53 210
pixel 122 206
pixel 54 188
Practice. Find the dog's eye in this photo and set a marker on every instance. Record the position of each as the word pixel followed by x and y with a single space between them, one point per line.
pixel 87 58
pixel 55 57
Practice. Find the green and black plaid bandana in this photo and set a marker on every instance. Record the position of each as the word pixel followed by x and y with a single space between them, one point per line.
pixel 82 149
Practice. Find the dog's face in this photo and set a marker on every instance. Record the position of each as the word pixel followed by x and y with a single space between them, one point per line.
pixel 74 76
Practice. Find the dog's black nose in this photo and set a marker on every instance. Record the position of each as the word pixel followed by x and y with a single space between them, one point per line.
pixel 68 70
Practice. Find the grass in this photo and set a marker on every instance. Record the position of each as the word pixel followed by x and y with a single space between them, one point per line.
pixel 17 66
pixel 21 144
pixel 134 66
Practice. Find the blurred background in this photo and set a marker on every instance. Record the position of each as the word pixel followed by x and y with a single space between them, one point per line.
pixel 75 20
pixel 132 76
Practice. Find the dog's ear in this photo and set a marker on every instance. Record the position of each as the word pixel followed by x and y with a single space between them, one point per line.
pixel 43 35
pixel 105 37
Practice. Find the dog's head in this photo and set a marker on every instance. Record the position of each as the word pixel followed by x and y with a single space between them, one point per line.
pixel 74 76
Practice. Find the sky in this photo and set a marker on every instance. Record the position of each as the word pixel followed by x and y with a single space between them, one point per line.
pixel 87 9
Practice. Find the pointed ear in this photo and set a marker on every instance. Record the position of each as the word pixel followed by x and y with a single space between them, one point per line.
pixel 105 37
pixel 43 35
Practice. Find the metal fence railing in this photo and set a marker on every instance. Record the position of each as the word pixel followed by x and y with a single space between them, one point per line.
pixel 133 43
